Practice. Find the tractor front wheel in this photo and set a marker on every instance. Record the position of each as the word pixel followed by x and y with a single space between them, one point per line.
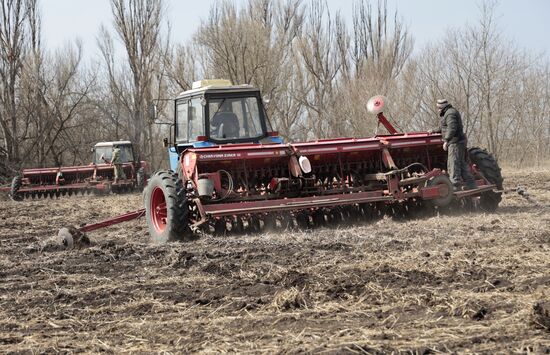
pixel 166 208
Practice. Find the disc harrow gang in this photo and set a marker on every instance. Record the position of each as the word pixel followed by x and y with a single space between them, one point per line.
pixel 326 217
pixel 113 169
pixel 304 220
pixel 295 220
pixel 40 192
pixel 78 181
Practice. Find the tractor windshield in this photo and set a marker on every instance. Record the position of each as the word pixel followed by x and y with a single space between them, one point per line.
pixel 104 154
pixel 235 118
pixel 126 153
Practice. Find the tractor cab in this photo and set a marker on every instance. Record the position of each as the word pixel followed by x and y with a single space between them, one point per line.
pixel 103 152
pixel 215 112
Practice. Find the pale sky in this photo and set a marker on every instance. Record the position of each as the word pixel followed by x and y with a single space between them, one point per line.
pixel 526 22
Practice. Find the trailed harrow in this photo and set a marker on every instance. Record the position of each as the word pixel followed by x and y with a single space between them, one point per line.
pixel 97 177
pixel 68 181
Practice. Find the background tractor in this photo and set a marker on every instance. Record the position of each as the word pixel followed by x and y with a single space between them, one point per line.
pixel 95 177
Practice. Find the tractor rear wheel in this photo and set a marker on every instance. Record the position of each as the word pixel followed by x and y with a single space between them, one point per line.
pixel 488 167
pixel 166 208
pixel 14 189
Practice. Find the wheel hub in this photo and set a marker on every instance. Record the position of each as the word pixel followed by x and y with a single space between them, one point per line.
pixel 158 208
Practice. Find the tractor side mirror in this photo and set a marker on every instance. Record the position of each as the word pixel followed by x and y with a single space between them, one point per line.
pixel 165 142
pixel 92 149
pixel 153 112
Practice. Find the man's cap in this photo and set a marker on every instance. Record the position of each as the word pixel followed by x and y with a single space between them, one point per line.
pixel 442 103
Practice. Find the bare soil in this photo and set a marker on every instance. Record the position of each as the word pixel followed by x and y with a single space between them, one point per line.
pixel 466 282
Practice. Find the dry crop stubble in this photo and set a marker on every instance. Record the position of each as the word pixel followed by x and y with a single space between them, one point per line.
pixel 466 282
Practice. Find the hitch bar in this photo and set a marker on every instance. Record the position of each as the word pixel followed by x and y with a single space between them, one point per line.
pixel 111 221
pixel 71 236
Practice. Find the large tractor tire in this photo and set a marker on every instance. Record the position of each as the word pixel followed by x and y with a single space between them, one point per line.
pixel 166 208
pixel 488 167
pixel 14 189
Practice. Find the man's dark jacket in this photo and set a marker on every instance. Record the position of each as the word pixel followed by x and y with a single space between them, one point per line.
pixel 451 125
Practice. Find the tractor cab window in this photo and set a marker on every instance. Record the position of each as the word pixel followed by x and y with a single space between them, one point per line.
pixel 126 153
pixel 234 118
pixel 196 119
pixel 104 154
pixel 190 120
pixel 182 120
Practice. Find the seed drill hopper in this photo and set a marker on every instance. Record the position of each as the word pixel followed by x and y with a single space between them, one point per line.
pixel 230 172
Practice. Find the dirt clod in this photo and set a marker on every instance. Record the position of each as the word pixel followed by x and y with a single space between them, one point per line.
pixel 541 314
pixel 480 314
pixel 290 299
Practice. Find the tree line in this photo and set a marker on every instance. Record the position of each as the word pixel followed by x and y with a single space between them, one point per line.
pixel 317 69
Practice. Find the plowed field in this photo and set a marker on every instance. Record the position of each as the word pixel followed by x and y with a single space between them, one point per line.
pixel 465 282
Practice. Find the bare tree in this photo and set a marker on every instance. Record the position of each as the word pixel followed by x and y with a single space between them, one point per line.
pixel 529 141
pixel 318 56
pixel 64 102
pixel 381 47
pixel 500 64
pixel 317 70
pixel 13 33
pixel 477 70
pixel 253 46
pixel 374 56
pixel 181 69
pixel 33 88
pixel 138 25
